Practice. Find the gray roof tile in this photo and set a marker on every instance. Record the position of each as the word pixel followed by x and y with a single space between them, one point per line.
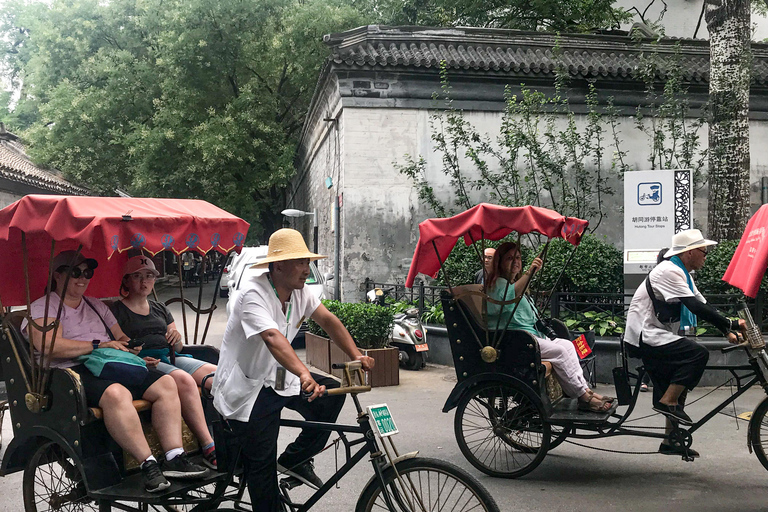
pixel 521 52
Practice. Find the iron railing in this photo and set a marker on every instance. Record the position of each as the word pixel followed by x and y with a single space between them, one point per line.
pixel 421 295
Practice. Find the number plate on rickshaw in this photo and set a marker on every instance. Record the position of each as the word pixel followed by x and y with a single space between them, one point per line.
pixel 421 348
pixel 381 416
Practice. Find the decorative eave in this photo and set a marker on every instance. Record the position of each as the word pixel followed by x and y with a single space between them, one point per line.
pixel 515 52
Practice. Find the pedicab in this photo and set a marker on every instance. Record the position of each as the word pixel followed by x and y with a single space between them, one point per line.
pixel 69 460
pixel 510 409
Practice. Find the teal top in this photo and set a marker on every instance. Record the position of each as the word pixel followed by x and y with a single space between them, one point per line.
pixel 525 315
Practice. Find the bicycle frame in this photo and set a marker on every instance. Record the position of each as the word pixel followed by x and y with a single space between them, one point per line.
pixel 370 446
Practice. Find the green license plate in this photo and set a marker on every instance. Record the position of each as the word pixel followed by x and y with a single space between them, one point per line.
pixel 385 424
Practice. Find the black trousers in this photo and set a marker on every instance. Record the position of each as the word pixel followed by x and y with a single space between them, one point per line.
pixel 680 362
pixel 258 439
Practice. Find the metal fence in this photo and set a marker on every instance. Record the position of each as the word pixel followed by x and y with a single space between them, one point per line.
pixel 421 295
pixel 583 308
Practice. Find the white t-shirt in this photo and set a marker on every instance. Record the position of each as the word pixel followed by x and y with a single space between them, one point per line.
pixel 669 284
pixel 245 364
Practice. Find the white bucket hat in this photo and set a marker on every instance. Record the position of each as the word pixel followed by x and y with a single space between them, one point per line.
pixel 688 240
pixel 286 244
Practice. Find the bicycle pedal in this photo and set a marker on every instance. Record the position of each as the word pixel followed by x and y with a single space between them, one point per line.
pixel 290 482
pixel 688 458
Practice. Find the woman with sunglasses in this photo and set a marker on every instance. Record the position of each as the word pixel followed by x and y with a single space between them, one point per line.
pixel 152 323
pixel 505 282
pixel 85 325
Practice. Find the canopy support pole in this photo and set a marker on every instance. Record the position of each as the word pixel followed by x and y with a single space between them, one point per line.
pixel 485 276
pixel 181 294
pixel 199 296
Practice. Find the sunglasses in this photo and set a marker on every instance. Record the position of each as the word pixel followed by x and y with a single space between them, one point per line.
pixel 704 251
pixel 76 272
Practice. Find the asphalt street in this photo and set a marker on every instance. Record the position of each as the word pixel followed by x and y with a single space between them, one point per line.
pixel 571 477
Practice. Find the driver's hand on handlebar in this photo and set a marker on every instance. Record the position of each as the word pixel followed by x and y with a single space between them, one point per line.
pixel 367 361
pixel 742 326
pixel 734 338
pixel 536 264
pixel 310 387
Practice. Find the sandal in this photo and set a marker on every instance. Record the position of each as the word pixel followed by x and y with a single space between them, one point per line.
pixel 594 404
pixel 604 398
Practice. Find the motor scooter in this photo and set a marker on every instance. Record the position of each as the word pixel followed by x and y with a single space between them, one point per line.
pixel 408 335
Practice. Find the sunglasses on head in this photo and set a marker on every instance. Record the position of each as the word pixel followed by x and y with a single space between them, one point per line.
pixel 77 272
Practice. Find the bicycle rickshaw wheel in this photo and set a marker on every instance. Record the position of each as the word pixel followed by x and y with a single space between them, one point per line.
pixel 53 482
pixel 758 432
pixel 500 431
pixel 558 435
pixel 426 485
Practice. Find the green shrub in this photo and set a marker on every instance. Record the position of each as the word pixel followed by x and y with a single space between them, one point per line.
pixel 369 325
pixel 597 267
pixel 709 279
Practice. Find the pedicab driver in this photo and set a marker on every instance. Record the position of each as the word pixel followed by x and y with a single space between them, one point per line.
pixel 259 373
pixel 674 362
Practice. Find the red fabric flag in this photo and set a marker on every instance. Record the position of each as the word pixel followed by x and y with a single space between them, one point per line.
pixel 751 257
pixel 581 346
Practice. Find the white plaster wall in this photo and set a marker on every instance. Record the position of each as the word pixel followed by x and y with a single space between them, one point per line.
pixel 8 198
pixel 381 209
pixel 681 17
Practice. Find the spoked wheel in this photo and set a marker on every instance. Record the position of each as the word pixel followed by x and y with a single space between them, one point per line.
pixel 425 485
pixel 499 429
pixel 758 432
pixel 415 359
pixel 53 482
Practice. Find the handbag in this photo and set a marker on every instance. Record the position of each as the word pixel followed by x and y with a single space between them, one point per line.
pixel 112 364
pixel 116 365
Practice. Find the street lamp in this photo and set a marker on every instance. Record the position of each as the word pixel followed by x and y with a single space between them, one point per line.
pixel 290 212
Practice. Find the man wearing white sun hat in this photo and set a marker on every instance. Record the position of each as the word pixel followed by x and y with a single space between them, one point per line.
pixel 259 373
pixel 663 310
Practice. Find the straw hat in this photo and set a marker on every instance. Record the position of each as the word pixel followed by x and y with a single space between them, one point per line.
pixel 688 240
pixel 286 244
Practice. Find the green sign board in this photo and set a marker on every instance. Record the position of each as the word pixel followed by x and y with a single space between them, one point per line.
pixel 383 419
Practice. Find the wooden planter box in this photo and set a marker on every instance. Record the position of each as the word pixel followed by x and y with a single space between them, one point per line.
pixel 322 353
pixel 318 351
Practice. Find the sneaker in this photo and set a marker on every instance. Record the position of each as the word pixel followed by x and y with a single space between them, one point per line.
pixel 181 467
pixel 209 458
pixel 644 388
pixel 154 481
pixel 674 413
pixel 668 449
pixel 304 472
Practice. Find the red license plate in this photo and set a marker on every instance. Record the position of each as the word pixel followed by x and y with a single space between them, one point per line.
pixel 421 348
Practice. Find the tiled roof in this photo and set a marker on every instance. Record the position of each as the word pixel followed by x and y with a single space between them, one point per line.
pixel 513 52
pixel 16 166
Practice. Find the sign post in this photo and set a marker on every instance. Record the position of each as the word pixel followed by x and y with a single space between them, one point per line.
pixel 657 204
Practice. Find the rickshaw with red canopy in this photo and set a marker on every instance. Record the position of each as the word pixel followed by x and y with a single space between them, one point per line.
pixel 510 409
pixel 69 460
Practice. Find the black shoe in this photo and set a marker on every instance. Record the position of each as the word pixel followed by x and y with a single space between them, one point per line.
pixel 154 481
pixel 674 412
pixel 181 467
pixel 668 449
pixel 304 472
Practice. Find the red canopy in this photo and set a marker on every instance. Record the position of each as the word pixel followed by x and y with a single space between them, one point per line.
pixel 490 222
pixel 106 227
pixel 751 257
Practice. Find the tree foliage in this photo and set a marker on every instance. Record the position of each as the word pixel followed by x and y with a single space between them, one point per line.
pixel 565 15
pixel 185 98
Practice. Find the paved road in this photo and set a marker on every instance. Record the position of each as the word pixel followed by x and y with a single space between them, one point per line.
pixel 571 478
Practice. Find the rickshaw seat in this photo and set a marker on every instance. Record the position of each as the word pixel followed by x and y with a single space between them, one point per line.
pixel 471 295
pixel 139 405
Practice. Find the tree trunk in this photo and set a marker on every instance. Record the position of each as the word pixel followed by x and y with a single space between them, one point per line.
pixel 728 22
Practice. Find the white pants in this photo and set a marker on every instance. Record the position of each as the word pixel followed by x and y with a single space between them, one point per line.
pixel 565 363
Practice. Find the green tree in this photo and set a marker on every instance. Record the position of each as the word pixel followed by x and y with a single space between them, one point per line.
pixel 564 15
pixel 185 98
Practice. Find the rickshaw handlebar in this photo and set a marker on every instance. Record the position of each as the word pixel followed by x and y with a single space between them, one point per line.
pixel 734 347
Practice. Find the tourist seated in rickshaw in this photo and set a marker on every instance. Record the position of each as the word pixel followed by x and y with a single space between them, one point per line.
pixel 152 323
pixel 87 324
pixel 504 283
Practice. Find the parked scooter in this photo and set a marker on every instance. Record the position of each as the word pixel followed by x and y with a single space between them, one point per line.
pixel 408 334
